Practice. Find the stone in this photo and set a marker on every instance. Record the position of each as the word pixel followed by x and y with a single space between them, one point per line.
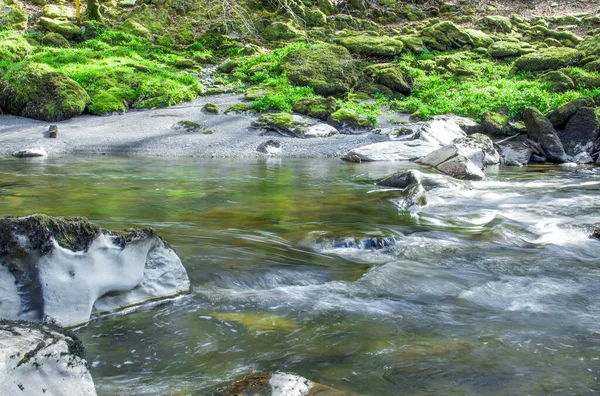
pixel 371 46
pixel 272 147
pixel 68 30
pixel 294 126
pixel 55 40
pixel 315 18
pixel 515 153
pixel 30 152
pixel 58 12
pixel 497 23
pixel 212 108
pixel 37 91
pixel 448 160
pixel 280 384
pixel 596 234
pixel 373 243
pixel 321 108
pixel 191 127
pixel 558 81
pixel 494 123
pixel 442 130
pixel 466 124
pixel 445 36
pixel 14 48
pixel 280 31
pixel 561 115
pixel 548 59
pixel 580 132
pixel 540 130
pixel 350 121
pixel 328 69
pixel 83 269
pixel 391 76
pixel 429 181
pixel 391 151
pixel 42 358
pixel 53 131
pixel 504 49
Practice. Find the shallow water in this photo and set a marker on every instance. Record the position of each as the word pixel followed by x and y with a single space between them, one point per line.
pixel 489 290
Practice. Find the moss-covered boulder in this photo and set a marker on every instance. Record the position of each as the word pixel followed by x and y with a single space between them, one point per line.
pixel 494 123
pixel 280 31
pixel 371 46
pixel 391 76
pixel 540 130
pixel 445 36
pixel 328 69
pixel 14 48
pixel 67 29
pixel 593 66
pixel 504 49
pixel 413 44
pixel 106 102
pixel 326 6
pixel 315 18
pixel 558 81
pixel 13 15
pixel 320 108
pixel 135 29
pixel 497 23
pixel 55 40
pixel 479 39
pixel 548 59
pixel 591 45
pixel 561 115
pixel 37 91
pixel 350 119
pixel 212 108
pixel 54 11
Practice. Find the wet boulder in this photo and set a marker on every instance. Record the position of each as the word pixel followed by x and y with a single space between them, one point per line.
pixel 548 59
pixel 541 131
pixel 429 181
pixel 373 243
pixel 30 153
pixel 561 115
pixel 328 69
pixel 37 91
pixel 66 269
pixel 495 124
pixel 580 132
pixel 280 384
pixel 515 152
pixel 42 358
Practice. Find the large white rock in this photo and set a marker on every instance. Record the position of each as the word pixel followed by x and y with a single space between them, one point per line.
pixel 430 136
pixel 41 359
pixel 63 269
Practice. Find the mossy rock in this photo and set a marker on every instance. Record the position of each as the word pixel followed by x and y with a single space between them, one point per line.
pixel 494 123
pixel 479 39
pixel 591 45
pixel 37 91
pixel 281 31
pixel 230 66
pixel 505 49
pixel 14 48
pixel 135 29
pixel 68 30
pixel 184 63
pixel 240 108
pixel 566 38
pixel 212 108
pixel 445 36
pixel 497 23
pixel 548 59
pixel 412 43
pixel 106 102
pixel 315 18
pixel 586 81
pixel 346 118
pixel 53 11
pixel 328 69
pixel 191 127
pixel 327 7
pixel 371 46
pixel 320 108
pixel 204 57
pixel 561 115
pixel 277 121
pixel 391 76
pixel 13 15
pixel 593 66
pixel 55 40
pixel 558 81
pixel 256 93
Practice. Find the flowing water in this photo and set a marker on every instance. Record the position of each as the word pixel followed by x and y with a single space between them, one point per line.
pixel 489 290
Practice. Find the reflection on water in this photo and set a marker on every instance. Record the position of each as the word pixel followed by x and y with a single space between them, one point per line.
pixel 487 290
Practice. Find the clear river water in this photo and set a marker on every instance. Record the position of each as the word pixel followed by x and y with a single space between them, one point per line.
pixel 489 290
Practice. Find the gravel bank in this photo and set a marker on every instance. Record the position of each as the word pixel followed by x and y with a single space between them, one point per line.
pixel 151 132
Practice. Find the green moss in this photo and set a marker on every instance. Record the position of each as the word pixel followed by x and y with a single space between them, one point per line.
pixel 55 40
pixel 591 45
pixel 240 108
pixel 445 35
pixel 212 108
pixel 494 123
pixel 17 16
pixel 106 102
pixel 327 7
pixel 558 81
pixel 548 59
pixel 593 66
pixel 320 108
pixel 412 43
pixel 371 46
pixel 279 121
pixel 497 23
pixel 13 48
pixel 280 31
pixel 67 29
pixel 183 63
pixel 53 11
pixel 136 29
pixel 391 76
pixel 504 49
pixel 315 18
pixel 478 38
pixel 328 69
pixel 564 37
pixel 37 91
pixel 349 118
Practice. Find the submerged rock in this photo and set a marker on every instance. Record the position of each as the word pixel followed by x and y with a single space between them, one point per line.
pixel 540 130
pixel 41 358
pixel 365 243
pixel 280 384
pixel 63 269
pixel 429 181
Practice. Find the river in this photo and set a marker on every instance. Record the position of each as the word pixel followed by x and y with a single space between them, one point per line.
pixel 488 290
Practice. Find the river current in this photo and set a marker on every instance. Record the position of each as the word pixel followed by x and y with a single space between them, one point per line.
pixel 493 289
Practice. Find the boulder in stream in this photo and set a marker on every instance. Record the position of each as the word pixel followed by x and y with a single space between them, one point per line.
pixel 42 358
pixel 515 152
pixel 64 269
pixel 540 130
pixel 280 384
